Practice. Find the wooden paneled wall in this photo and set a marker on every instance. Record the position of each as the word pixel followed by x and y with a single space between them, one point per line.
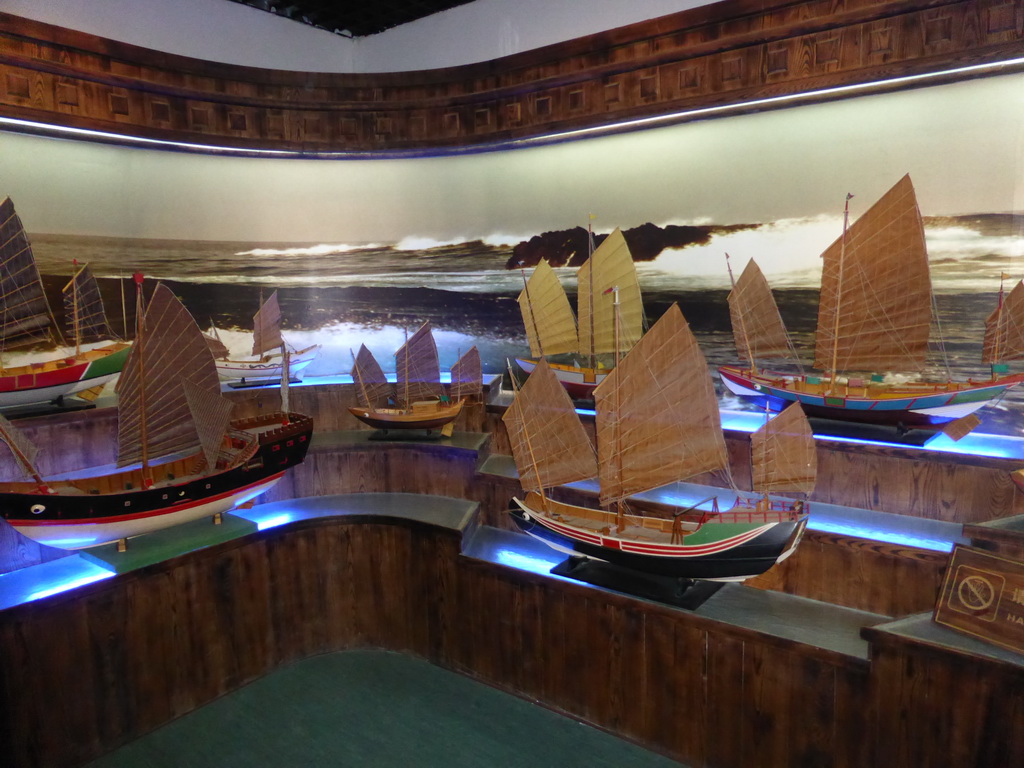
pixel 727 53
pixel 85 672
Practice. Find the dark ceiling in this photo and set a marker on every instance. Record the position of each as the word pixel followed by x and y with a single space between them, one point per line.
pixel 353 18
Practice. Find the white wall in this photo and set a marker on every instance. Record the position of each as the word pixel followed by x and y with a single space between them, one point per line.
pixel 219 30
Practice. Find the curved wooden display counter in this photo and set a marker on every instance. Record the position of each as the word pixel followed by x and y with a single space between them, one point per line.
pixel 751 678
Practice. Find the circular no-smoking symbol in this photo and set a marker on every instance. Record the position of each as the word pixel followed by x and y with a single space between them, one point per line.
pixel 976 593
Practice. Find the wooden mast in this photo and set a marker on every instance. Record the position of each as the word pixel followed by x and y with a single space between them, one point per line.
pixel 839 297
pixel 742 318
pixel 147 476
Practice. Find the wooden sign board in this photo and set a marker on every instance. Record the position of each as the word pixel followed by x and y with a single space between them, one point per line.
pixel 983 596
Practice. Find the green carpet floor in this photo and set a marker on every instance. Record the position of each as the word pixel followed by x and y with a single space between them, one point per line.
pixel 374 708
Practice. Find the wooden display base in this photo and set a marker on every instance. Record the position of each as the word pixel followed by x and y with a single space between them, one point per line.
pixel 46 409
pixel 682 593
pixel 251 383
pixel 406 435
pixel 917 436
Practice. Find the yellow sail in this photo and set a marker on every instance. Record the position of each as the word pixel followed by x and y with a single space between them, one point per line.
pixel 784 455
pixel 549 444
pixel 657 414
pixel 1004 329
pixel 756 323
pixel 610 266
pixel 550 325
pixel 874 313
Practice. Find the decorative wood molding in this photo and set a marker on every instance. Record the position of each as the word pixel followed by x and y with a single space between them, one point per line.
pixel 724 55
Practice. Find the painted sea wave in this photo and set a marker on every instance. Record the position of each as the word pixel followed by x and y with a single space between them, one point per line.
pixel 343 295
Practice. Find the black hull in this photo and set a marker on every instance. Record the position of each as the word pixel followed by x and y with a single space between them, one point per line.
pixel 278 450
pixel 741 562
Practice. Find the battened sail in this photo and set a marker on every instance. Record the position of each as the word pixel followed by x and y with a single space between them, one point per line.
pixel 266 331
pixel 84 315
pixel 549 444
pixel 610 266
pixel 547 316
pixel 1004 329
pixel 154 418
pixel 874 313
pixel 417 368
pixel 25 316
pixel 756 323
pixel 784 455
pixel 372 387
pixel 467 376
pixel 211 413
pixel 216 344
pixel 657 414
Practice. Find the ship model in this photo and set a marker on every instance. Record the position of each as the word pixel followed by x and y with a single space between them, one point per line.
pixel 417 399
pixel 180 455
pixel 874 318
pixel 657 423
pixel 269 351
pixel 27 320
pixel 552 330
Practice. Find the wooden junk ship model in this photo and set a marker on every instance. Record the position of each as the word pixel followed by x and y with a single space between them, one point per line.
pixel 180 454
pixel 657 423
pixel 271 354
pixel 27 321
pixel 599 328
pixel 417 400
pixel 874 317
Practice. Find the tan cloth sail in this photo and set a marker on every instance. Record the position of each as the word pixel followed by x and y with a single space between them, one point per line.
pixel 880 289
pixel 610 266
pixel 547 316
pixel 784 455
pixel 756 323
pixel 372 388
pixel 657 414
pixel 216 344
pixel 211 413
pixel 418 369
pixel 85 318
pixel 266 331
pixel 25 316
pixel 467 376
pixel 1004 329
pixel 549 444
pixel 151 397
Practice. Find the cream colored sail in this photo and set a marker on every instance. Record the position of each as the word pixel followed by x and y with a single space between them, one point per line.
pixel 547 316
pixel 784 455
pixel 266 332
pixel 372 388
pixel 1004 329
pixel 610 266
pixel 549 444
pixel 24 450
pixel 154 419
pixel 467 376
pixel 756 323
pixel 417 368
pixel 657 414
pixel 874 312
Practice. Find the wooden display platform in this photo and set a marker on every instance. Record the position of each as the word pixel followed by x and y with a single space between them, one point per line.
pixel 750 677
